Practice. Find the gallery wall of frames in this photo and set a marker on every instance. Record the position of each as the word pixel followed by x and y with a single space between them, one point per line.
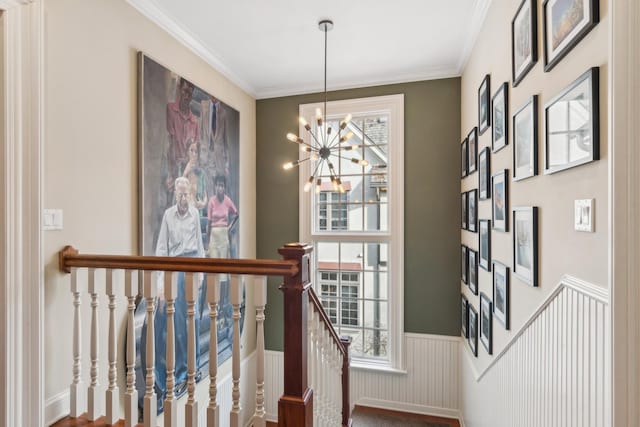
pixel 546 135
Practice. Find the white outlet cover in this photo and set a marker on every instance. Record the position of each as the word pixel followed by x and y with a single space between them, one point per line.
pixel 584 215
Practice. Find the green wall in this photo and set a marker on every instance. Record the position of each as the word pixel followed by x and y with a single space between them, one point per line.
pixel 432 201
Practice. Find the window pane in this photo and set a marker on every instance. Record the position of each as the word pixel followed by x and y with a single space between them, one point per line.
pixel 375 285
pixel 375 314
pixel 375 343
pixel 351 256
pixel 375 256
pixel 375 217
pixel 327 252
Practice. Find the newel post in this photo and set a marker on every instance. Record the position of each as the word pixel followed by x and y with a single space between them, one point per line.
pixel 346 406
pixel 295 407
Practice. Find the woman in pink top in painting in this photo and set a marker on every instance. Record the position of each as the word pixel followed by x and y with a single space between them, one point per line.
pixel 222 215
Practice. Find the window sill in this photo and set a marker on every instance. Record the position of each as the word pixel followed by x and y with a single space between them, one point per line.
pixel 363 366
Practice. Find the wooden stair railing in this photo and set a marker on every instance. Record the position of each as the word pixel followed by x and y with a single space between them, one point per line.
pixel 326 343
pixel 295 407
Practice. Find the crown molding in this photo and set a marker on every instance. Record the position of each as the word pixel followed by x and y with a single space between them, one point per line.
pixel 479 14
pixel 155 14
pixel 430 74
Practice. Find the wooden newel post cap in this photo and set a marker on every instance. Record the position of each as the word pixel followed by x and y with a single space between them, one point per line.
pixel 62 258
pixel 346 341
pixel 295 250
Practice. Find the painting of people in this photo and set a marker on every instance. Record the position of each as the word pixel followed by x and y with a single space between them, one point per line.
pixel 189 165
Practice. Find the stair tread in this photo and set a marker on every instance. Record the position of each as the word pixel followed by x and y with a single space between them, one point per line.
pixel 83 421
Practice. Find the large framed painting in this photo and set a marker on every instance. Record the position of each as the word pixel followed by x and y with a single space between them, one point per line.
pixel 572 124
pixel 566 22
pixel 525 140
pixel 189 192
pixel 524 40
pixel 525 244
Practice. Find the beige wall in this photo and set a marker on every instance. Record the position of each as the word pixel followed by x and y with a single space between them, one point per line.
pixel 91 149
pixel 561 249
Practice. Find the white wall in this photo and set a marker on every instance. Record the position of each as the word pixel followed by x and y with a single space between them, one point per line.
pixel 91 151
pixel 561 249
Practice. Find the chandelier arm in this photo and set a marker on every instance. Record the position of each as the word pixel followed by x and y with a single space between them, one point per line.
pixel 342 157
pixel 316 140
pixel 332 143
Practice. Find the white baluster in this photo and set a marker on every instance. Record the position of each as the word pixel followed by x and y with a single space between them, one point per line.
pixel 170 403
pixel 191 292
pixel 213 296
pixel 322 374
pixel 260 300
pixel 113 414
pixel 236 299
pixel 93 401
pixel 313 357
pixel 77 390
pixel 131 395
pixel 150 291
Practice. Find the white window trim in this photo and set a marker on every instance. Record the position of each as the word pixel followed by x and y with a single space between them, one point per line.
pixel 393 106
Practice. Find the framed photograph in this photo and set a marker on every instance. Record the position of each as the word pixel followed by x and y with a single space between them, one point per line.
pixel 465 265
pixel 500 111
pixel 525 140
pixel 501 293
pixel 484 250
pixel 472 220
pixel 472 338
pixel 572 124
pixel 565 23
pixel 464 308
pixel 472 149
pixel 464 206
pixel 464 156
pixel 472 270
pixel 525 244
pixel 484 114
pixel 524 40
pixel 484 172
pixel 500 195
pixel 486 330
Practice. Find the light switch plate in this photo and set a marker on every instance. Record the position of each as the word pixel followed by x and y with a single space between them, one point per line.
pixel 52 219
pixel 584 215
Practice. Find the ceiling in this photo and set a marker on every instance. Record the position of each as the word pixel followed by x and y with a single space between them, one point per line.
pixel 274 48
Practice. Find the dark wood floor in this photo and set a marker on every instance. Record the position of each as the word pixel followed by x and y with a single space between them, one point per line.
pixel 406 415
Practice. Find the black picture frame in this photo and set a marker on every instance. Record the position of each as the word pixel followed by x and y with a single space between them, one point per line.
pixel 500 113
pixel 484 244
pixel 464 214
pixel 464 158
pixel 472 338
pixel 524 40
pixel 464 271
pixel 472 151
pixel 472 270
pixel 584 138
pixel 525 140
pixel 484 174
pixel 500 200
pixel 472 200
pixel 562 36
pixel 501 293
pixel 486 322
pixel 484 112
pixel 525 244
pixel 464 308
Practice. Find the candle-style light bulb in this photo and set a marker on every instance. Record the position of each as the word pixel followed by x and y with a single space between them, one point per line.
pixel 287 165
pixel 319 116
pixel 346 136
pixel 318 185
pixel 304 123
pixel 345 122
pixel 308 184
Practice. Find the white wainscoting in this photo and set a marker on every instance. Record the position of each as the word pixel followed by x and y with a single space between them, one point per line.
pixel 554 372
pixel 430 385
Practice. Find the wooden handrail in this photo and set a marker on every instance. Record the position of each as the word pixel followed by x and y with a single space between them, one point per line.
pixel 325 319
pixel 69 257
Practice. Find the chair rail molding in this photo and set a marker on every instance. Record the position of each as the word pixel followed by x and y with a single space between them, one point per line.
pixel 624 205
pixel 22 296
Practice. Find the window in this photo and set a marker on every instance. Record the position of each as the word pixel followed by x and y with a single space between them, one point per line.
pixel 358 235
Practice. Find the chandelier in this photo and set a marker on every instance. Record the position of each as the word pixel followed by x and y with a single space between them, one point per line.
pixel 323 145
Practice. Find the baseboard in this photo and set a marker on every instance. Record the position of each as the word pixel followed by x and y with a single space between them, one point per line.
pixel 410 407
pixel 56 407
